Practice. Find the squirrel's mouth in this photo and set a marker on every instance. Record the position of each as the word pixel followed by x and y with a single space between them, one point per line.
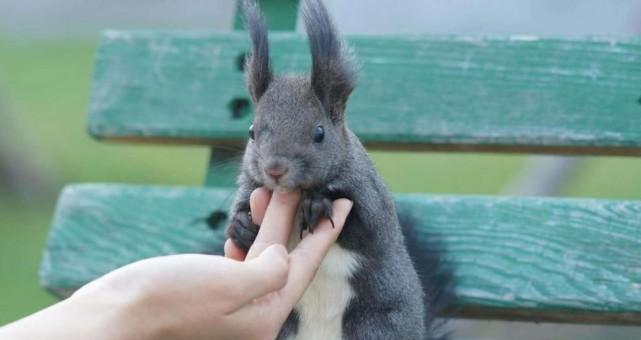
pixel 284 184
pixel 281 185
pixel 292 179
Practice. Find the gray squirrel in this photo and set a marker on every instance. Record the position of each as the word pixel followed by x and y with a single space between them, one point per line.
pixel 367 287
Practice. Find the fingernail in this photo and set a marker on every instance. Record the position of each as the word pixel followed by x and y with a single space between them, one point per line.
pixel 348 204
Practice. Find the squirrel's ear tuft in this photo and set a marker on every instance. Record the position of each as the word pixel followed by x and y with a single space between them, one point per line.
pixel 333 70
pixel 259 72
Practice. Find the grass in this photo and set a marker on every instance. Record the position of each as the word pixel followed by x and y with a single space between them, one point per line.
pixel 47 86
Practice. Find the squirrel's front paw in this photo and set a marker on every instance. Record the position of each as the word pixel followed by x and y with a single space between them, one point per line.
pixel 242 231
pixel 314 207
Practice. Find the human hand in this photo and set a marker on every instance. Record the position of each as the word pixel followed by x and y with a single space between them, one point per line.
pixel 240 296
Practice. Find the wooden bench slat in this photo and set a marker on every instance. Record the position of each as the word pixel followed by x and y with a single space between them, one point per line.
pixel 539 259
pixel 501 94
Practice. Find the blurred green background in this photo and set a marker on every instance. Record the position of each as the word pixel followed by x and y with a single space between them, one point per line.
pixel 44 85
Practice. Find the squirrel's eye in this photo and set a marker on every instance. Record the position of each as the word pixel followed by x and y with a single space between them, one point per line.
pixel 251 131
pixel 319 134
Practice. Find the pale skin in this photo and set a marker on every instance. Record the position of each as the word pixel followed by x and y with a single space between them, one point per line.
pixel 239 296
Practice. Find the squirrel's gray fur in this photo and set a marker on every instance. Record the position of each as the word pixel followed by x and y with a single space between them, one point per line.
pixel 388 300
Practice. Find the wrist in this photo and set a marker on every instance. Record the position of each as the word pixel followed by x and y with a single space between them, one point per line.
pixel 126 312
pixel 103 315
pixel 89 316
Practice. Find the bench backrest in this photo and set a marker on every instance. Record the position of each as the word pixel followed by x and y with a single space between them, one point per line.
pixel 499 94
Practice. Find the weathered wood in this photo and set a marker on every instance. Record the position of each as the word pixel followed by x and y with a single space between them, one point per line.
pixel 505 94
pixel 536 259
pixel 97 228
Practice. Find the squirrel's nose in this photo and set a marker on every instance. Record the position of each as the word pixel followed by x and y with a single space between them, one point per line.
pixel 275 171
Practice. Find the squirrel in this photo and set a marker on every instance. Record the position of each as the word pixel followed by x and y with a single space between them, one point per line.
pixel 367 286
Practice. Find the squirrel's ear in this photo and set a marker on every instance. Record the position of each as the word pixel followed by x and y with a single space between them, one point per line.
pixel 258 69
pixel 333 75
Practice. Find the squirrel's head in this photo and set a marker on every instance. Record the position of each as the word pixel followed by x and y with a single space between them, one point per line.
pixel 298 138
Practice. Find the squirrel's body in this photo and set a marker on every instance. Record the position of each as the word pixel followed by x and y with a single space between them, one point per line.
pixel 320 312
pixel 367 287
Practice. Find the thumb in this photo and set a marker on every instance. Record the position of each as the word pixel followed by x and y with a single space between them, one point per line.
pixel 264 274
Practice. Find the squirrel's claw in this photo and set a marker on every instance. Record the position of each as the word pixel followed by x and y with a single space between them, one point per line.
pixel 314 207
pixel 241 230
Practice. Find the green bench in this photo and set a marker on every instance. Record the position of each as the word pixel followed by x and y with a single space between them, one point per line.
pixel 534 259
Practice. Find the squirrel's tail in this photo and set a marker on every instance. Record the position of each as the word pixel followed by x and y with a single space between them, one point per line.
pixel 426 252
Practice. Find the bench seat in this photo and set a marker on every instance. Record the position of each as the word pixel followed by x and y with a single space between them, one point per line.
pixel 536 259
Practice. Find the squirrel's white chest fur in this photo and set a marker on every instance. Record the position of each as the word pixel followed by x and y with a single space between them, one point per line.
pixel 320 310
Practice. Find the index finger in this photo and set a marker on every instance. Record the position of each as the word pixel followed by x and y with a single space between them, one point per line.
pixel 306 258
pixel 277 222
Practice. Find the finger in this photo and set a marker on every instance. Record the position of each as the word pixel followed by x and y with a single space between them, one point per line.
pixel 277 222
pixel 310 252
pixel 258 204
pixel 233 252
pixel 264 274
